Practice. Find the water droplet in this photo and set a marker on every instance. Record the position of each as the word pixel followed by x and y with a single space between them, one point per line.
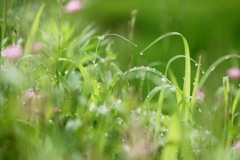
pixel 203 72
pixel 196 64
pixel 173 89
pixel 212 69
pixel 199 110
pixel 34 69
pixel 141 53
pixel 227 57
pixel 183 78
pixel 163 79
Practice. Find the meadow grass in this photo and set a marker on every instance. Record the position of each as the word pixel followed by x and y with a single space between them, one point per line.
pixel 69 99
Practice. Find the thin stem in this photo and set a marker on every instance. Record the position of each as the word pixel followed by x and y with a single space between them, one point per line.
pixel 59 42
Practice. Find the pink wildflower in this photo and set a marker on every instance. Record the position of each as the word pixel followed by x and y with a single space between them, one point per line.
pixel 37 47
pixel 56 111
pixel 73 6
pixel 13 52
pixel 31 94
pixel 201 94
pixel 237 145
pixel 234 73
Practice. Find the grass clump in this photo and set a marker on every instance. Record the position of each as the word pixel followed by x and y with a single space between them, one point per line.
pixel 64 96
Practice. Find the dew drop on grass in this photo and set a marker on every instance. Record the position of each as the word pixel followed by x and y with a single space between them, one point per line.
pixel 227 57
pixel 141 53
pixel 196 64
pixel 163 79
pixel 203 72
pixel 173 89
pixel 212 69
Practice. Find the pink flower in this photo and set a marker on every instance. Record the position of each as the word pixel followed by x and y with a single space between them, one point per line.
pixel 56 111
pixel 37 47
pixel 13 52
pixel 30 94
pixel 201 94
pixel 73 6
pixel 234 73
pixel 237 145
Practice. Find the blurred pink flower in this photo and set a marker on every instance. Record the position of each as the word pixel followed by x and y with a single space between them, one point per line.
pixel 237 145
pixel 56 111
pixel 234 73
pixel 201 94
pixel 73 6
pixel 30 94
pixel 37 47
pixel 13 52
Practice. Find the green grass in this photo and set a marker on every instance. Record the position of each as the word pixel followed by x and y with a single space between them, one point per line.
pixel 71 100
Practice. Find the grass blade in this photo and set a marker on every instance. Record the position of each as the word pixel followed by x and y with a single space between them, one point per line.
pixel 187 76
pixel 196 86
pixel 33 31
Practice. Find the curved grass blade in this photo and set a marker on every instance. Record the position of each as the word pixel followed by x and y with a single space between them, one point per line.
pixel 187 81
pixel 101 38
pixel 214 65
